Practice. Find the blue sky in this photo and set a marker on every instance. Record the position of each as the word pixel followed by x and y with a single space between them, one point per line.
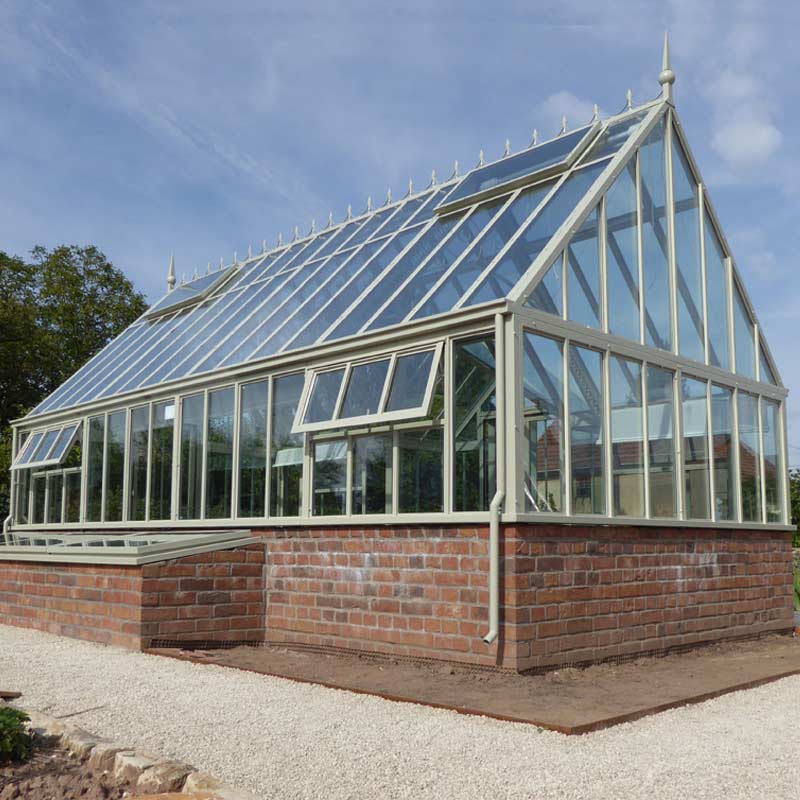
pixel 200 128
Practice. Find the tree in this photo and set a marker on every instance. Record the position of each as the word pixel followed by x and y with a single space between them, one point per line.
pixel 58 309
pixel 794 503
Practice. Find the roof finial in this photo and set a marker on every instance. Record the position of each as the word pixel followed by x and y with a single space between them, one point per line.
pixel 369 204
pixel 171 274
pixel 455 168
pixel 667 76
pixel 249 251
pixel 195 276
pixel 313 227
pixel 507 150
pixel 263 245
pixel 349 211
pixel 481 160
pixel 235 259
pixel 330 219
pixel 208 268
pixel 433 177
pixel 629 99
pixel 183 279
pixel 388 196
pixel 221 263
pixel 595 113
pixel 535 138
pixel 563 126
pixel 410 186
pixel 280 239
pixel 296 233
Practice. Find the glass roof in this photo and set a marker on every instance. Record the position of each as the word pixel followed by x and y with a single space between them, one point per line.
pixel 398 263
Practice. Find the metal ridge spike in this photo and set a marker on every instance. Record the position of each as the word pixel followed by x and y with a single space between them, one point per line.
pixel 410 187
pixel 208 268
pixel 507 149
pixel 195 275
pixel 455 169
pixel 388 196
pixel 263 245
pixel 280 239
pixel 313 227
pixel 433 177
pixel 481 160
pixel 629 99
pixel 535 137
pixel 330 219
pixel 221 263
pixel 349 211
pixel 563 126
pixel 595 113
pixel 369 204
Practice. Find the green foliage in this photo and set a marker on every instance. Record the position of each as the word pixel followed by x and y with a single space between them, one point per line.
pixel 58 309
pixel 797 590
pixel 15 741
pixel 794 503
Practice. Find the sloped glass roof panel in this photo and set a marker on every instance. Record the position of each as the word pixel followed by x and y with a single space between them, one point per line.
pixel 518 258
pixel 343 238
pixel 370 226
pixel 192 290
pixel 483 181
pixel 613 137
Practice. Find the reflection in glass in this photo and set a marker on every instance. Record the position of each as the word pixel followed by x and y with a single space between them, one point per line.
pixel 22 495
pixel 94 475
pixel 39 495
pixel 695 449
pixel 409 381
pixel 474 415
pixel 72 499
pixel 773 463
pixel 55 486
pixel 372 475
pixel 583 273
pixel 543 392
pixel 364 389
pixel 286 473
pixel 191 484
pixel 115 466
pixel 627 437
pixel 586 430
pixel 548 294
pixel 253 449
pixel 219 456
pixel 717 299
pixel 161 460
pixel 330 478
pixel 421 470
pixel 661 442
pixel 324 394
pixel 724 465
pixel 139 445
pixel 749 458
pixel 744 333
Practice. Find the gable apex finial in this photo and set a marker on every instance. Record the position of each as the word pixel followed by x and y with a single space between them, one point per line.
pixel 667 76
pixel 171 274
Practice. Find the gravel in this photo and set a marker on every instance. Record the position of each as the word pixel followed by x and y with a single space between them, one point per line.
pixel 285 740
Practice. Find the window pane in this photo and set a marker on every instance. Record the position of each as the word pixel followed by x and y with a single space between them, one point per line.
pixel 586 431
pixel 548 294
pixel 583 274
pixel 26 453
pixel 287 448
pixel 63 442
pixel 724 467
pixel 773 463
pixel 411 373
pixel 72 501
pixel 324 395
pixel 695 450
pixel 161 460
pixel 661 442
pixel 219 458
pixel 55 485
pixel 39 490
pixel 744 333
pixel 330 478
pixel 691 317
pixel 543 388
pixel 45 445
pixel 253 449
pixel 364 389
pixel 717 299
pixel 140 423
pixel 372 475
pixel 115 465
pixel 191 456
pixel 421 470
pixel 655 247
pixel 94 476
pixel 766 375
pixel 749 458
pixel 627 437
pixel 22 496
pixel 475 424
pixel 623 255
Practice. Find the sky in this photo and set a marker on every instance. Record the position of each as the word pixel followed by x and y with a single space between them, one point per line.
pixel 201 128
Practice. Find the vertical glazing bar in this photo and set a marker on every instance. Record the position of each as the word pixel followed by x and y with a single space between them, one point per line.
pixel 449 436
pixel 785 499
pixel 737 467
pixel 646 441
pixel 395 472
pixel 673 270
pixel 603 245
pixel 640 249
pixel 12 499
pixel 731 321
pixel 701 204
pixel 565 284
pixel 677 425
pixel 307 480
pixel 605 436
pixel 46 510
pixel 348 478
pixel 126 472
pixel 176 460
pixel 63 497
pixel 567 478
pixel 513 426
pixel 712 478
pixel 204 441
pixel 268 482
pixel 237 410
pixel 757 340
pixel 84 470
pixel 761 461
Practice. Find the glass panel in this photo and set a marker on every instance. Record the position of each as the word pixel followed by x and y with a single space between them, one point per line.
pixel 717 299
pixel 94 476
pixel 45 445
pixel 583 274
pixel 330 478
pixel 744 333
pixel 30 448
pixel 475 424
pixel 421 470
pixel 219 457
pixel 586 430
pixel 661 442
pixel 627 437
pixel 39 496
pixel 139 445
pixel 773 463
pixel 63 442
pixel 364 389
pixel 691 318
pixel 324 395
pixel 766 374
pixel 695 450
pixel 192 409
pixel 623 255
pixel 22 496
pixel 613 137
pixel 287 448
pixel 724 467
pixel 161 460
pixel 55 486
pixel 543 388
pixel 410 380
pixel 483 252
pixel 372 475
pixel 548 294
pixel 524 251
pixel 655 240
pixel 253 449
pixel 749 458
pixel 115 466
pixel 72 501
pixel 526 163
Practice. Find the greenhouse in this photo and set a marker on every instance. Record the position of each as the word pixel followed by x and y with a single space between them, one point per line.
pixel 547 360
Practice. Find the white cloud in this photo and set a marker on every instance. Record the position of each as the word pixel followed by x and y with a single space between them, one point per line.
pixel 745 142
pixel 563 104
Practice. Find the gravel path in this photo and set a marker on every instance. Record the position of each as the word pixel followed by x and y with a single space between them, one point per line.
pixel 285 740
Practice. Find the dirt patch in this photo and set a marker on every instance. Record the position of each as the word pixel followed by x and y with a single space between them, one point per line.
pixel 52 773
pixel 570 700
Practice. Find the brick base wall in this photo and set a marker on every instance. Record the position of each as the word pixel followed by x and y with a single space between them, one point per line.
pixel 217 595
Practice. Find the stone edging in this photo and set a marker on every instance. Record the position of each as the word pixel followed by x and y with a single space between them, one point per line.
pixel 150 773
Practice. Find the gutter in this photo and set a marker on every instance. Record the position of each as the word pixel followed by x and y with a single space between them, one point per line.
pixel 499 496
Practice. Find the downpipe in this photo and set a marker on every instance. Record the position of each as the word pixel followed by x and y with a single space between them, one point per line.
pixel 496 506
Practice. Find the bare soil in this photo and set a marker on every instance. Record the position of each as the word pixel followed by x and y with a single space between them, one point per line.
pixel 570 700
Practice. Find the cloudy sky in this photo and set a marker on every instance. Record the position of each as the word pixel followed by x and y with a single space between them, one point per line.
pixel 200 128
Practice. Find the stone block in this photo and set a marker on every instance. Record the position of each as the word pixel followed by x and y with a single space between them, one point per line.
pixel 165 776
pixel 128 766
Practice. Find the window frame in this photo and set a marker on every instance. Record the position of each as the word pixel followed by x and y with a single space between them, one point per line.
pixel 32 442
